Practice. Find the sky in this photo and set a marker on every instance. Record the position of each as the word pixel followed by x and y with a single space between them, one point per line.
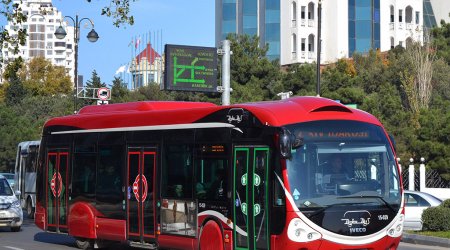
pixel 182 22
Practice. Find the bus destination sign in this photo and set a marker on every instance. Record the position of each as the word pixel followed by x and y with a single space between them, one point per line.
pixel 190 68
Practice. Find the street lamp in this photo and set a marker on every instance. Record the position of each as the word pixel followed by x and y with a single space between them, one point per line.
pixel 319 43
pixel 92 36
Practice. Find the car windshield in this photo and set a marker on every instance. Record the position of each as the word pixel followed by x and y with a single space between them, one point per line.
pixel 342 162
pixel 4 188
pixel 9 176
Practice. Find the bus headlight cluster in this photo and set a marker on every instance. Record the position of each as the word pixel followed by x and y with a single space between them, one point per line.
pixel 299 231
pixel 397 228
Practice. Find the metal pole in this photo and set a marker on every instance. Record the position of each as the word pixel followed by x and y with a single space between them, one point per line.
pixel 226 72
pixel 76 64
pixel 319 21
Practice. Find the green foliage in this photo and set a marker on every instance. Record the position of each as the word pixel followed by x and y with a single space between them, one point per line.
pixel 436 218
pixel 446 203
pixel 41 77
pixel 253 76
pixel 441 40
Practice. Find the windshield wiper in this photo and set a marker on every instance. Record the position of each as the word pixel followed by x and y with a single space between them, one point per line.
pixel 361 195
pixel 319 211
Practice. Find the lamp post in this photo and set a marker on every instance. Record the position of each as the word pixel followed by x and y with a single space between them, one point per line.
pixel 92 36
pixel 319 43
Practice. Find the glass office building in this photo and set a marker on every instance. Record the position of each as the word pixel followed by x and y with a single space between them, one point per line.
pixel 363 25
pixel 251 17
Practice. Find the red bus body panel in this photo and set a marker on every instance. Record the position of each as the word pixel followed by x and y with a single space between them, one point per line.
pixel 86 222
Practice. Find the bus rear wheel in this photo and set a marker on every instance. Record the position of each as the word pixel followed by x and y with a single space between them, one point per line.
pixel 211 237
pixel 85 244
pixel 30 209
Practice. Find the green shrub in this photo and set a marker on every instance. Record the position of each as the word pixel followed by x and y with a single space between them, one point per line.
pixel 446 203
pixel 436 218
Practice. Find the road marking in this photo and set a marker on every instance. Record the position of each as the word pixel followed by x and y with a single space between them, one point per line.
pixel 13 248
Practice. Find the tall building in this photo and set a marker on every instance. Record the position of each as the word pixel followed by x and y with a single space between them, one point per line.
pixel 434 11
pixel 43 20
pixel 252 17
pixel 347 26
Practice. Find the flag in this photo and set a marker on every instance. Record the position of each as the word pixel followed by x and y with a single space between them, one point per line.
pixel 138 41
pixel 121 69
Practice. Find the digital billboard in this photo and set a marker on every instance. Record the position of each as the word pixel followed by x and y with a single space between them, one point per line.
pixel 190 68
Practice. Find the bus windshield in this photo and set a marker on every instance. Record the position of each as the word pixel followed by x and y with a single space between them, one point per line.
pixel 342 162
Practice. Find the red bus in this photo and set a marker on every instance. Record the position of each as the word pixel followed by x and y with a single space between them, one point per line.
pixel 185 175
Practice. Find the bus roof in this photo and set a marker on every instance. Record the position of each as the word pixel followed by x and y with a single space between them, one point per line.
pixel 153 113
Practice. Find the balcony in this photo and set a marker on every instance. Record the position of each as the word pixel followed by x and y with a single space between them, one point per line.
pixel 294 23
pixel 391 26
pixel 303 54
pixel 409 26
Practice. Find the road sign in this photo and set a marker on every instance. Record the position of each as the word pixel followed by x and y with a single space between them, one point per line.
pixel 190 68
pixel 103 94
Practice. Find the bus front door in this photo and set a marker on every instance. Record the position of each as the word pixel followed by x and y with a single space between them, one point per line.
pixel 141 222
pixel 251 197
pixel 56 190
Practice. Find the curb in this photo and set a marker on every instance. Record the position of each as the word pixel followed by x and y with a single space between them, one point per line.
pixel 425 240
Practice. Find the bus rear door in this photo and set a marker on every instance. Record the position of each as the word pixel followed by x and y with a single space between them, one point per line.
pixel 250 197
pixel 140 196
pixel 56 189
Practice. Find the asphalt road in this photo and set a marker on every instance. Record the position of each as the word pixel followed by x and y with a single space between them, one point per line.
pixel 32 238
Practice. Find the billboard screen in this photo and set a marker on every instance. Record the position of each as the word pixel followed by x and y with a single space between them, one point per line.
pixel 190 68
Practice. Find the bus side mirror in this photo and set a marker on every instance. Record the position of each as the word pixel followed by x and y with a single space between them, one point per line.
pixel 391 137
pixel 285 143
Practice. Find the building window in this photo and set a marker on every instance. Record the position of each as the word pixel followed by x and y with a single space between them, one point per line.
pixel 303 12
pixel 400 16
pixel 392 14
pixel 408 14
pixel 294 43
pixel 311 11
pixel 303 46
pixel 294 14
pixel 392 43
pixel 417 17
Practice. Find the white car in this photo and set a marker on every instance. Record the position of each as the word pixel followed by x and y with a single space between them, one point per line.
pixel 10 211
pixel 415 203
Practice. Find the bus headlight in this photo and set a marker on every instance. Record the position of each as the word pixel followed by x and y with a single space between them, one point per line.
pixel 397 229
pixel 299 231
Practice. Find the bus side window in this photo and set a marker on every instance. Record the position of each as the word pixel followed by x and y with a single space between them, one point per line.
pixel 211 177
pixel 83 177
pixel 177 171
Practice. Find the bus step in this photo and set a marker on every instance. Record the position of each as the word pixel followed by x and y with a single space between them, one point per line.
pixel 143 245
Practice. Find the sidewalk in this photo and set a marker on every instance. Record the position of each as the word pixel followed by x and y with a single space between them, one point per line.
pixel 425 240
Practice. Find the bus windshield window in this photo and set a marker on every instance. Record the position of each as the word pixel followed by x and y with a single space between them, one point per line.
pixel 340 160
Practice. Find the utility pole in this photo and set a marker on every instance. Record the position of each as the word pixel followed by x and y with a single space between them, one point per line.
pixel 225 88
pixel 319 42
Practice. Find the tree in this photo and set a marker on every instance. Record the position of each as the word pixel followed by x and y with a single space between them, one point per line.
pixel 90 91
pixel 119 11
pixel 41 77
pixel 119 91
pixel 251 72
pixel 441 40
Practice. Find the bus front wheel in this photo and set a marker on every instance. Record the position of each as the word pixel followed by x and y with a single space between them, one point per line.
pixel 30 209
pixel 83 243
pixel 211 237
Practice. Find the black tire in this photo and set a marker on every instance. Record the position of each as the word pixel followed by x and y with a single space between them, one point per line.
pixel 30 209
pixel 84 243
pixel 15 229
